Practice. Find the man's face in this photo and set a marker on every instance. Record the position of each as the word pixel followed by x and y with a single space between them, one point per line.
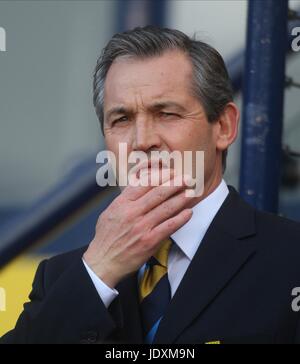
pixel 149 105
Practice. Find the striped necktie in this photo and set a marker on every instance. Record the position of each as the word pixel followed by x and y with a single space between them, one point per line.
pixel 155 292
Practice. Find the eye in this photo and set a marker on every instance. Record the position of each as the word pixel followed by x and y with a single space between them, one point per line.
pixel 166 114
pixel 121 119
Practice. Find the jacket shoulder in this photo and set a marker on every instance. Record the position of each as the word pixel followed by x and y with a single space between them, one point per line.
pixel 267 228
pixel 277 224
pixel 278 234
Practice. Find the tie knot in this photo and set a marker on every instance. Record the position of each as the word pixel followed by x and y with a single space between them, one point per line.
pixel 161 255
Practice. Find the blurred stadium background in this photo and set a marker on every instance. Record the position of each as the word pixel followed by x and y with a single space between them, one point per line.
pixel 49 201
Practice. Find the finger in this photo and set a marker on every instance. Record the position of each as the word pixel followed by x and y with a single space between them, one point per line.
pixel 170 226
pixel 158 195
pixel 167 209
pixel 133 192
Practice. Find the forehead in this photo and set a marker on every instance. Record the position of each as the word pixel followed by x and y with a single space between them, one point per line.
pixel 149 78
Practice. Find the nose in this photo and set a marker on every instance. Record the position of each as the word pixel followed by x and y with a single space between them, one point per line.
pixel 146 137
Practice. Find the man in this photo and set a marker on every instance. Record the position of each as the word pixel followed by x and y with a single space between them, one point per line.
pixel 164 267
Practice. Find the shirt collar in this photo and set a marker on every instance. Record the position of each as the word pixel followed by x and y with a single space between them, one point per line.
pixel 189 236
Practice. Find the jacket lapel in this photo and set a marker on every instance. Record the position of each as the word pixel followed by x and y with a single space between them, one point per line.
pixel 219 258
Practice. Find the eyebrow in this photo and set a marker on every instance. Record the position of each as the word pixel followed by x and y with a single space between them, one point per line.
pixel 154 107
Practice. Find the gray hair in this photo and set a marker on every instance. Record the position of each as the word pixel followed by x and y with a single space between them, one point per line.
pixel 211 83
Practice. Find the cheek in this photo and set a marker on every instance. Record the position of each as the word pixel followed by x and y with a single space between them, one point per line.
pixel 113 141
pixel 190 137
pixel 111 145
pixel 116 145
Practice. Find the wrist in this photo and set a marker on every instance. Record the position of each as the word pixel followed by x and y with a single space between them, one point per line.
pixel 106 276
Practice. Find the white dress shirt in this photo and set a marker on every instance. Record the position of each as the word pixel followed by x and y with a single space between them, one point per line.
pixel 188 239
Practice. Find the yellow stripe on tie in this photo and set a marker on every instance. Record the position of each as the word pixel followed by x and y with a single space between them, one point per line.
pixel 152 275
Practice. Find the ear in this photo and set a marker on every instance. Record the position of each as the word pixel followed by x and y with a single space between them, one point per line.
pixel 227 126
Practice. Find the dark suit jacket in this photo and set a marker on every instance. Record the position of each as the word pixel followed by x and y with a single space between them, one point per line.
pixel 237 289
